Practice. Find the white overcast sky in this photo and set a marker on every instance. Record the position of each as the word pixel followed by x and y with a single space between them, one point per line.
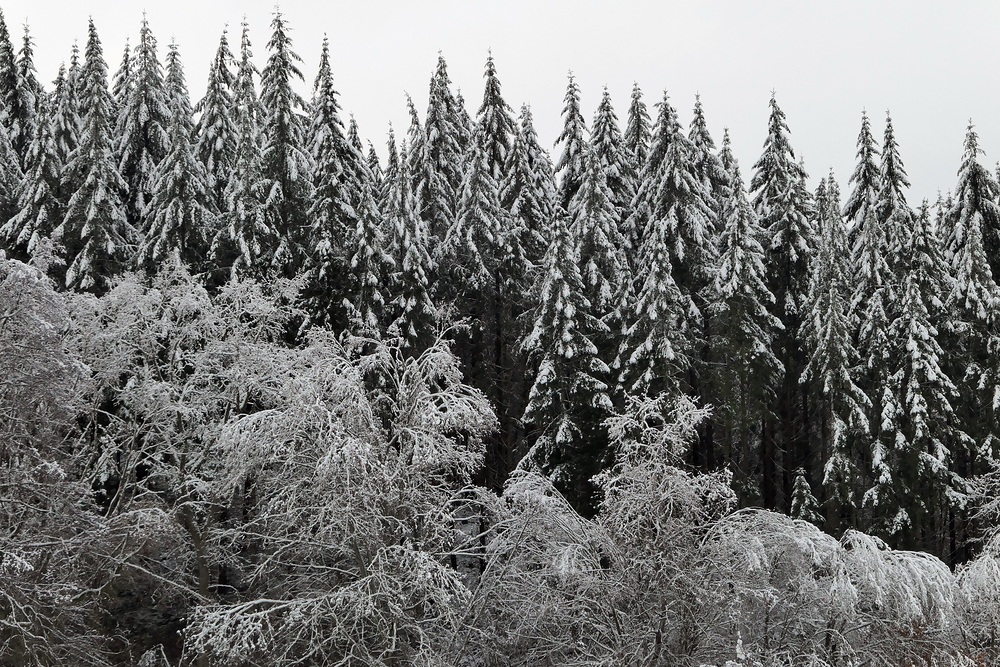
pixel 933 64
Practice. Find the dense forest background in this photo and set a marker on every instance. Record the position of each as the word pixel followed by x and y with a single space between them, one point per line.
pixel 269 400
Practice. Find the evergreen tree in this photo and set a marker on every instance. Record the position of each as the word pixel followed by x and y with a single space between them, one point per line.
pixel 804 505
pixel 30 96
pixel 784 209
pixel 608 144
pixel 17 103
pixel 637 130
pixel 975 205
pixel 893 211
pixel 680 201
pixel 495 123
pixel 286 166
pixel 416 141
pixel 974 339
pixel 217 130
pixel 391 171
pixel 181 213
pixel 175 88
pixel 11 179
pixel 413 314
pixel 38 207
pixel 569 396
pixel 527 190
pixel 443 154
pixel 371 266
pixel 246 242
pixel 745 327
pixel 842 407
pixel 707 163
pixel 66 121
pixel 95 232
pixel 916 484
pixel 122 84
pixel 650 357
pixel 359 162
pixel 603 266
pixel 864 198
pixel 142 130
pixel 9 100
pixel 637 224
pixel 245 93
pixel 332 215
pixel 872 307
pixel 570 166
pixel 471 250
pixel 375 169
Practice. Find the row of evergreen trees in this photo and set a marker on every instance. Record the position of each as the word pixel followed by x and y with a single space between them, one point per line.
pixel 849 349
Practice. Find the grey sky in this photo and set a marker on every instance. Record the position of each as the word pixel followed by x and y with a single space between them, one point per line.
pixel 933 64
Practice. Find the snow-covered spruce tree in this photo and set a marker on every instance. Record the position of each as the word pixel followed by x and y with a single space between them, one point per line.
pixel 570 166
pixel 527 190
pixel 804 505
pixel 30 96
pixel 17 99
pixel 873 306
pixel 784 209
pixel 371 267
pixel 604 268
pixel 142 130
pixel 95 231
pixel 122 83
pixel 842 408
pixel 495 123
pixel 919 483
pixel 11 178
pixel 416 141
pixel 364 170
pixel 636 226
pixel 374 168
pixel 217 130
pixel 245 92
pixel 569 398
pixel 412 315
pixel 182 213
pixel 893 211
pixel 974 204
pixel 707 163
pixel 66 122
pixel 464 124
pixel 649 359
pixel 332 217
pixel 8 78
pixel 636 137
pixel 616 162
pixel 391 171
pixel 504 241
pixel 680 201
pixel 443 153
pixel 470 252
pixel 974 336
pixel 246 241
pixel 864 198
pixel 38 207
pixel 745 331
pixel 286 167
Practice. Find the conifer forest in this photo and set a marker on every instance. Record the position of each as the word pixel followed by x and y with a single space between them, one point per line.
pixel 269 398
